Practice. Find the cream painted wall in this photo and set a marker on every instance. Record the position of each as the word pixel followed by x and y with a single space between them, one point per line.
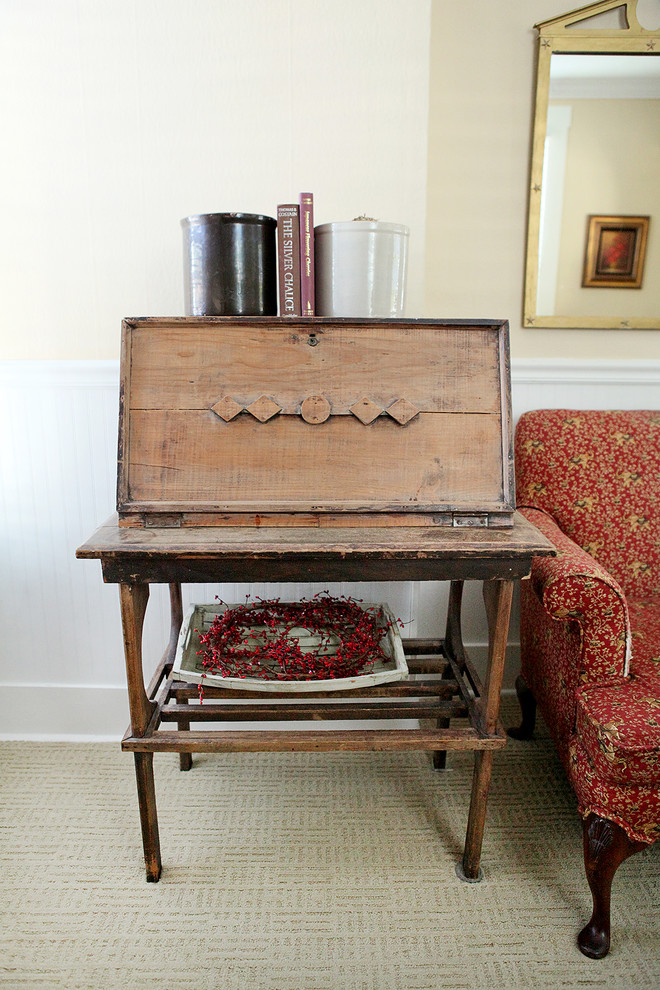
pixel 119 117
pixel 480 113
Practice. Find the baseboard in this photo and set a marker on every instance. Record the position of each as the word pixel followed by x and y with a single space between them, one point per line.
pixel 63 712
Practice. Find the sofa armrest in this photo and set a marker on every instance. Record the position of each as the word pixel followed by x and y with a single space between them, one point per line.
pixel 573 586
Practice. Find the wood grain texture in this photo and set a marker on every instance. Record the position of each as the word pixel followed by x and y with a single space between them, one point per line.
pixel 193 459
pixel 520 542
pixel 185 448
pixel 310 740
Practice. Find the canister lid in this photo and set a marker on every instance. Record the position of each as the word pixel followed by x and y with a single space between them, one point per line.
pixel 362 226
pixel 209 218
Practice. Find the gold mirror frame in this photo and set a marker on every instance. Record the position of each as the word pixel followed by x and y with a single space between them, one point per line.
pixel 560 35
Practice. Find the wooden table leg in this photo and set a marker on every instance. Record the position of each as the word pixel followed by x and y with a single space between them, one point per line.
pixel 133 599
pixel 497 597
pixel 176 619
pixel 454 649
pixel 144 772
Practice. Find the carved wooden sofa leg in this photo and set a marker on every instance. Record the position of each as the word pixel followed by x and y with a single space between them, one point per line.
pixel 606 846
pixel 527 703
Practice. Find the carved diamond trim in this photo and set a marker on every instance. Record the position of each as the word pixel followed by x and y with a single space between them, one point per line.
pixel 402 411
pixel 226 408
pixel 365 410
pixel 263 408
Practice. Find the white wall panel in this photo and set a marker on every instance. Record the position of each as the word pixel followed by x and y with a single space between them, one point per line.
pixel 61 629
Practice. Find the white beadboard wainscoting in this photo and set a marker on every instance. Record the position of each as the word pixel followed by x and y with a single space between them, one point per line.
pixel 61 659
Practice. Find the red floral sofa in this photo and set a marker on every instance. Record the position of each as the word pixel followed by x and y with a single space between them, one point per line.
pixel 590 626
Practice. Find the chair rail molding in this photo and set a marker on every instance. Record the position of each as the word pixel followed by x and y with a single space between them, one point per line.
pixel 532 371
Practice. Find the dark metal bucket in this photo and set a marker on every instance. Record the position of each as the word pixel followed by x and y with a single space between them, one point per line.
pixel 230 264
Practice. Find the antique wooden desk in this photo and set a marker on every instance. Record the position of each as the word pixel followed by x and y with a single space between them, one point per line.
pixel 266 450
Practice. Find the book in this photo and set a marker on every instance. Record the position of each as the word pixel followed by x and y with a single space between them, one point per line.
pixel 307 254
pixel 288 258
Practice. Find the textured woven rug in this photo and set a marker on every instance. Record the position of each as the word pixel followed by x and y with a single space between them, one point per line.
pixel 304 872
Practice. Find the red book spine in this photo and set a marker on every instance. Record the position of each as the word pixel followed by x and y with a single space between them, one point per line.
pixel 288 257
pixel 307 253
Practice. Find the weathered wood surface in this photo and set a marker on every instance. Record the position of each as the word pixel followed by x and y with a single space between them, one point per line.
pixel 313 711
pixel 438 464
pixel 383 360
pixel 312 740
pixel 446 446
pixel 385 542
pixel 309 554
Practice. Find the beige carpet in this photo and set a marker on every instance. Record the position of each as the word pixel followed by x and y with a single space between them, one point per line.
pixel 304 872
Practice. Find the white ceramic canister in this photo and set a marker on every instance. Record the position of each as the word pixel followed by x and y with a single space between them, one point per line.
pixel 360 268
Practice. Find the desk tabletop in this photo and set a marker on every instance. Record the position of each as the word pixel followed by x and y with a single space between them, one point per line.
pixel 191 553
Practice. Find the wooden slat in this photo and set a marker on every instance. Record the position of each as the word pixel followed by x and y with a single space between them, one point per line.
pixel 348 740
pixel 291 519
pixel 398 689
pixel 437 367
pixel 312 711
pixel 423 646
pixel 194 460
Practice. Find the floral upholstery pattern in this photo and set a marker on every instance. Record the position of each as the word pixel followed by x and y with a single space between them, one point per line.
pixel 590 617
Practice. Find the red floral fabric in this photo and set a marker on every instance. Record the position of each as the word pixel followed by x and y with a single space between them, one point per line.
pixel 598 475
pixel 590 617
pixel 633 807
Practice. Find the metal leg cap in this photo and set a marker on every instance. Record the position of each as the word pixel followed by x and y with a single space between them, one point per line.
pixel 461 875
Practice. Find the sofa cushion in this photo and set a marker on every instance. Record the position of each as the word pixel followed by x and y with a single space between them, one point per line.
pixel 644 619
pixel 618 720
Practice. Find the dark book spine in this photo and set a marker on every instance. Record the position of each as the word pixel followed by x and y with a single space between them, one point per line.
pixel 307 253
pixel 288 258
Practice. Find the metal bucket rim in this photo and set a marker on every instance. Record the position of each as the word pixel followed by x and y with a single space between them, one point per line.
pixel 228 218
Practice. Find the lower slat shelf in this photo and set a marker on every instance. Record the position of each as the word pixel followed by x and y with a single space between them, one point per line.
pixel 313 740
pixel 444 696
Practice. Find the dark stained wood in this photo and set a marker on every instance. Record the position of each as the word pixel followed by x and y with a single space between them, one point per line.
pixel 144 772
pixel 211 554
pixel 442 671
pixel 311 740
pixel 527 703
pixel 133 601
pixel 483 767
pixel 261 711
pixel 606 846
pixel 398 689
pixel 497 597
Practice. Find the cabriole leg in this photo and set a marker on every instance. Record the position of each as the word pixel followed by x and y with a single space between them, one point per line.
pixel 527 703
pixel 606 846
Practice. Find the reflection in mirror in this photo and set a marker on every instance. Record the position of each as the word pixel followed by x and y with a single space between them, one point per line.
pixel 596 152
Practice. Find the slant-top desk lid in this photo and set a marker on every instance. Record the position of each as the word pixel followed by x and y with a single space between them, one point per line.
pixel 328 422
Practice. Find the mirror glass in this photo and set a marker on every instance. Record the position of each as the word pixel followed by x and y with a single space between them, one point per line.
pixel 596 153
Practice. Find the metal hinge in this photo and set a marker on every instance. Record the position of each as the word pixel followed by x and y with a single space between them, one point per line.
pixel 470 519
pixel 164 520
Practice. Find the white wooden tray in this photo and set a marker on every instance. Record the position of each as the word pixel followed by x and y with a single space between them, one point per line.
pixel 198 621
